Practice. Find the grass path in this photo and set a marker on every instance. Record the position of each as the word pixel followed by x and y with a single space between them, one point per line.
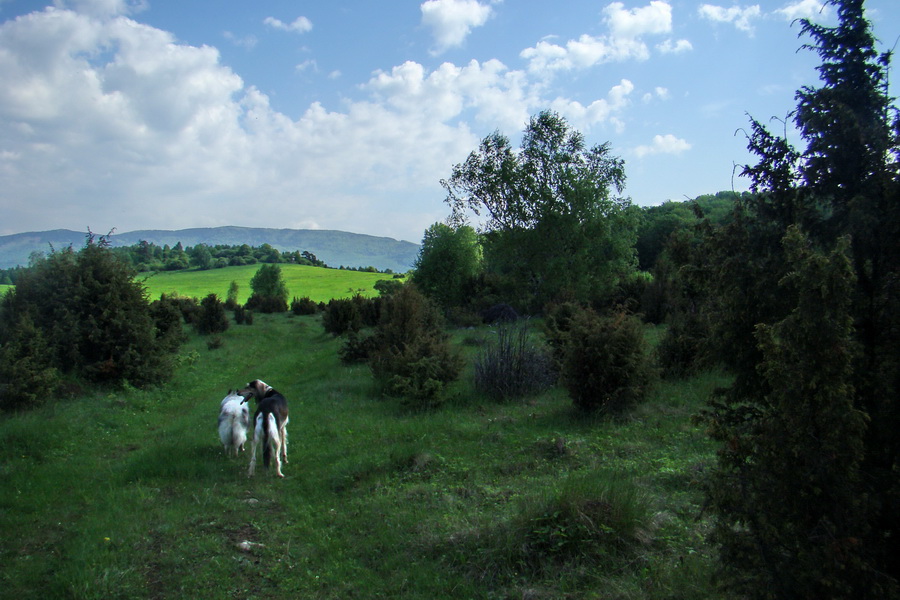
pixel 128 495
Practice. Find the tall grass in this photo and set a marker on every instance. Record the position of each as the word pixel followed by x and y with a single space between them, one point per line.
pixel 128 494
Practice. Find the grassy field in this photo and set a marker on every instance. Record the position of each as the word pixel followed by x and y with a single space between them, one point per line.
pixel 127 494
pixel 317 283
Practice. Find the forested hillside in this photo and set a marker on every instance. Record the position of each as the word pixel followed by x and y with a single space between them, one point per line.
pixel 335 248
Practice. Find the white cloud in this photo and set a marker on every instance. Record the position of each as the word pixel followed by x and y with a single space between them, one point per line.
pixel 624 42
pixel 103 8
pixel 108 116
pixel 605 110
pixel 659 92
pixel 307 65
pixel 247 42
pixel 655 18
pixel 495 94
pixel 805 9
pixel 674 47
pixel 299 25
pixel 663 144
pixel 740 17
pixel 451 21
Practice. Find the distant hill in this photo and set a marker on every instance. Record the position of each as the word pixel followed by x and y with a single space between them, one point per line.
pixel 336 248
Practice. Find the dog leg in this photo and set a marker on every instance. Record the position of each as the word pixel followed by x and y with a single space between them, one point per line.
pixel 257 437
pixel 284 440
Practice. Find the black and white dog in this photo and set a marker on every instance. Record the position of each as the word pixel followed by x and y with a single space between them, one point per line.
pixel 271 419
pixel 234 419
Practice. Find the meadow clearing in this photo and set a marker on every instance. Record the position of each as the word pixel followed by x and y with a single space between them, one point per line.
pixel 317 283
pixel 126 493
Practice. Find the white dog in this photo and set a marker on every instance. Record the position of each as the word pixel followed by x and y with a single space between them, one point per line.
pixel 234 419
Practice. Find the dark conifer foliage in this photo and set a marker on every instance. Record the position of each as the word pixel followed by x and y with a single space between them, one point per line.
pixel 804 298
pixel 93 316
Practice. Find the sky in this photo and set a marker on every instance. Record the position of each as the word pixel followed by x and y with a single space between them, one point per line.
pixel 347 114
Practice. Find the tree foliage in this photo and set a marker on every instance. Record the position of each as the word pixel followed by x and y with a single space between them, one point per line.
pixel 270 292
pixel 93 318
pixel 551 224
pixel 448 262
pixel 805 300
pixel 410 355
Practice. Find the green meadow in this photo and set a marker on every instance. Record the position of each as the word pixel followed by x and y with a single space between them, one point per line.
pixel 319 284
pixel 127 493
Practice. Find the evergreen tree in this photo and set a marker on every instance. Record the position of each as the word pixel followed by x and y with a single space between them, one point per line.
pixel 93 315
pixel 807 487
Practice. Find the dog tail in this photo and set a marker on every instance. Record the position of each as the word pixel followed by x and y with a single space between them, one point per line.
pixel 270 437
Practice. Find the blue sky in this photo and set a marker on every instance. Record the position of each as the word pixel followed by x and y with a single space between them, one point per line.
pixel 347 114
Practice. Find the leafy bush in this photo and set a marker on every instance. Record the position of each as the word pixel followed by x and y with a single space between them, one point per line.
pixel 412 357
pixel 682 351
pixel 242 316
pixel 26 360
pixel 92 314
pixel 269 290
pixel 513 366
pixel 169 322
pixel 357 348
pixel 188 307
pixel 369 309
pixel 605 364
pixel 304 306
pixel 212 317
pixel 341 316
pixel 231 300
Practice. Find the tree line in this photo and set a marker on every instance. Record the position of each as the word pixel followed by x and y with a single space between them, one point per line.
pixel 146 256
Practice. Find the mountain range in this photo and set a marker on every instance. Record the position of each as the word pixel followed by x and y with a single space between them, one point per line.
pixel 335 248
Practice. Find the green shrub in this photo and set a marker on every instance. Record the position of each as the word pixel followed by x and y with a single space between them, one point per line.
pixel 231 300
pixel 93 316
pixel 412 357
pixel 212 317
pixel 341 316
pixel 682 351
pixel 513 366
pixel 26 365
pixel 169 322
pixel 605 363
pixel 304 306
pixel 356 348
pixel 369 309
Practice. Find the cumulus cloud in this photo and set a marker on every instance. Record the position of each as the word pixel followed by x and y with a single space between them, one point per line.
pixel 104 115
pixel 663 144
pixel 117 118
pixel 805 9
pixel 298 25
pixel 660 93
pixel 627 28
pixel 605 110
pixel 674 47
pixel 103 8
pixel 740 17
pixel 451 21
